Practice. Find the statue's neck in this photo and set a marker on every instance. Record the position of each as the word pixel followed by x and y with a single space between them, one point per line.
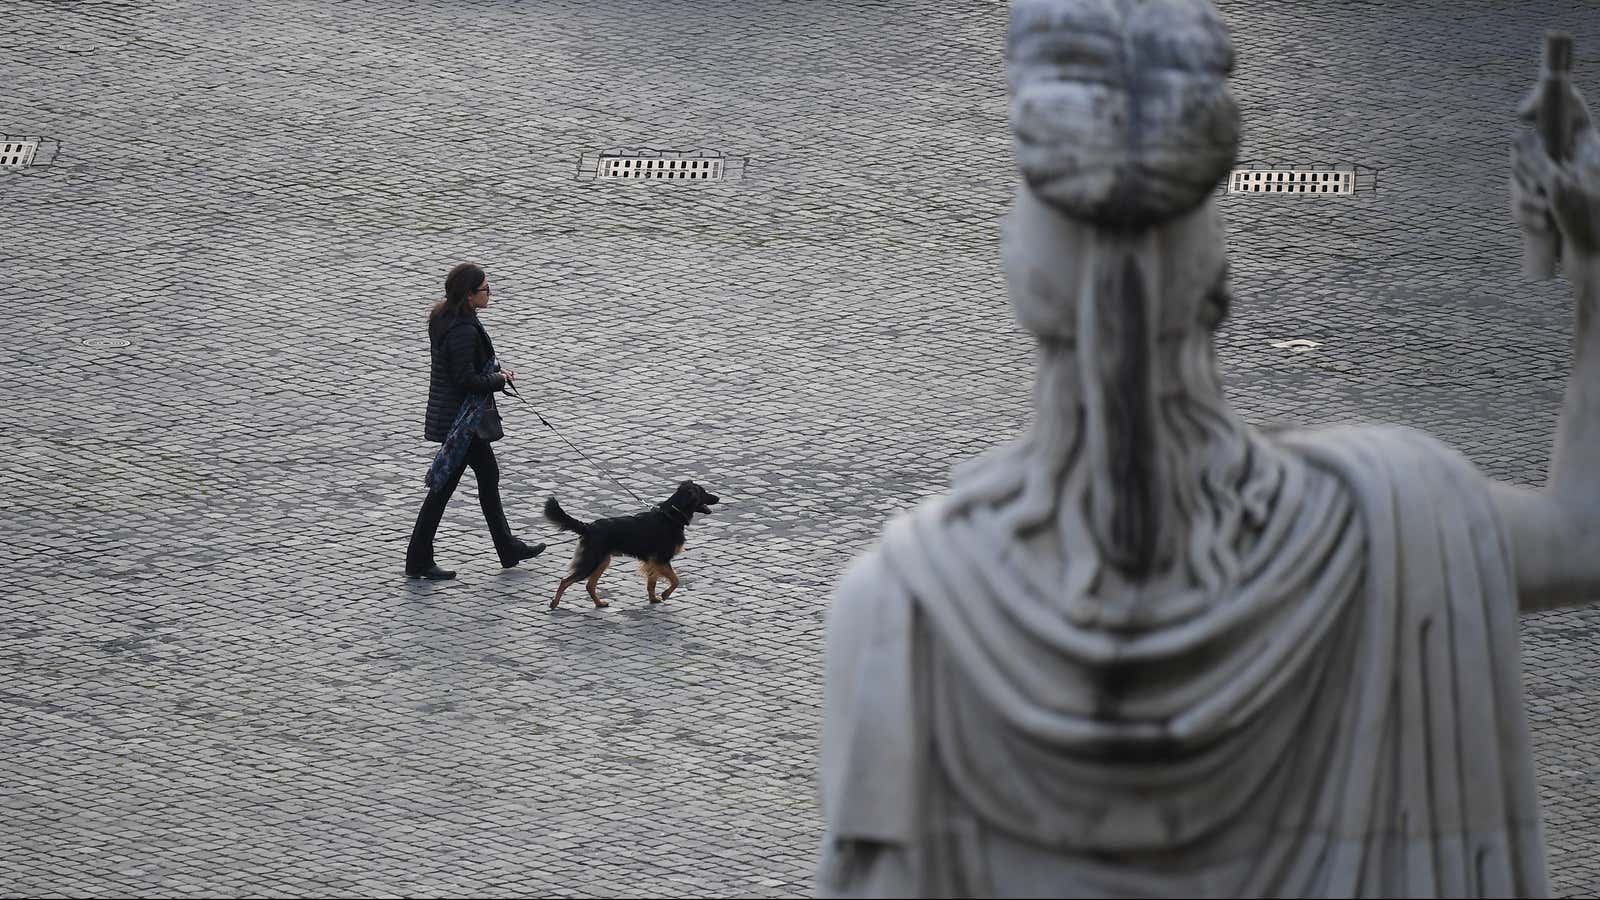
pixel 1194 440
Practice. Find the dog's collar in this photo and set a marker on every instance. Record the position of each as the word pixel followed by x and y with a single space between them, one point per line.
pixel 673 512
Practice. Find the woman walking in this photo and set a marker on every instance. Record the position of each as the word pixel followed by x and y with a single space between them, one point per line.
pixel 462 416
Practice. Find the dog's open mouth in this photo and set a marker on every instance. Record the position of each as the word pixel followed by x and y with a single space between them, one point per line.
pixel 704 506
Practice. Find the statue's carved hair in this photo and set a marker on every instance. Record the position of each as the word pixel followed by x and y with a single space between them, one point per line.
pixel 1120 109
pixel 1133 447
pixel 1129 408
pixel 1123 126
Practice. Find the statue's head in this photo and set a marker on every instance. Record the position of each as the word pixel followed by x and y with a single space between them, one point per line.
pixel 1055 266
pixel 1123 127
pixel 1120 110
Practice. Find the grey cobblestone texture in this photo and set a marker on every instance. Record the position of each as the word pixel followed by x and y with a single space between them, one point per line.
pixel 214 680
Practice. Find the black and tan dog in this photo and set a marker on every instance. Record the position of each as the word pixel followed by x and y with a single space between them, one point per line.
pixel 653 537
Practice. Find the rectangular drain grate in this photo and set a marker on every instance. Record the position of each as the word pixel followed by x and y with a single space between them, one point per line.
pixel 1320 179
pixel 649 164
pixel 635 167
pixel 1291 181
pixel 15 154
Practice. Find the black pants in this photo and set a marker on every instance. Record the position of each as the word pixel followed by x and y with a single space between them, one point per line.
pixel 480 456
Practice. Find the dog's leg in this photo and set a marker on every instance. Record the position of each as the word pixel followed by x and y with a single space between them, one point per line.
pixel 651 575
pixel 594 580
pixel 672 576
pixel 562 589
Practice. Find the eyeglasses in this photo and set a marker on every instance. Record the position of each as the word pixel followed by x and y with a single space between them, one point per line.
pixel 483 290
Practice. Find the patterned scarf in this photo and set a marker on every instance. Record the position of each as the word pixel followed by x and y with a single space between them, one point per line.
pixel 453 453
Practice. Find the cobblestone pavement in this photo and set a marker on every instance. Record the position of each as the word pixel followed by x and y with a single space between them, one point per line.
pixel 213 678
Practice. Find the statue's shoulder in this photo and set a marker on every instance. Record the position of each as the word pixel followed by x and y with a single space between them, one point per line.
pixel 1396 444
pixel 866 585
pixel 863 581
pixel 871 592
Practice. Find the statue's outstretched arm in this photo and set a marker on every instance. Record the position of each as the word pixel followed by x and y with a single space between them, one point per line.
pixel 1555 532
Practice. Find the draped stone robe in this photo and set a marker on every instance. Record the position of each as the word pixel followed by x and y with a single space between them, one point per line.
pixel 1345 719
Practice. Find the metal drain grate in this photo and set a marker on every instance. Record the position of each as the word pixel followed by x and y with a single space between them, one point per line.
pixel 660 168
pixel 16 154
pixel 649 164
pixel 1245 181
pixel 23 155
pixel 1317 180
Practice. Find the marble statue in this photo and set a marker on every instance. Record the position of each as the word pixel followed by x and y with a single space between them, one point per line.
pixel 1148 651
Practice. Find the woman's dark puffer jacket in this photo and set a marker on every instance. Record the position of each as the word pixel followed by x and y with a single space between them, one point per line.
pixel 460 349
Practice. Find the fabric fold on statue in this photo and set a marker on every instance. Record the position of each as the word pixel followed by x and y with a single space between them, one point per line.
pixel 1281 737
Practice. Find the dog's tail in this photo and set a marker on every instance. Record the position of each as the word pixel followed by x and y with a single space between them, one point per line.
pixel 554 512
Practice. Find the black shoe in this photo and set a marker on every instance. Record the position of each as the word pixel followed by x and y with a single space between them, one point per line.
pixel 522 552
pixel 432 573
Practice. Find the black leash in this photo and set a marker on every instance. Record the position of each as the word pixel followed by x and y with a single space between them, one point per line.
pixel 511 389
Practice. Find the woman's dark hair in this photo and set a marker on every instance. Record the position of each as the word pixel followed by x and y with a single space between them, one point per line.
pixel 459 286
